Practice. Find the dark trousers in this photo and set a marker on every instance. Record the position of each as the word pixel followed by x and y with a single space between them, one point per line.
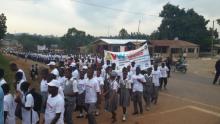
pixel 90 109
pixel 217 74
pixel 163 82
pixel 137 101
pixel 69 108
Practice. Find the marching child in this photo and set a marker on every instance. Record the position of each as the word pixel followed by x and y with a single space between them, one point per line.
pixel 156 74
pixel 9 105
pixel 148 88
pixel 124 92
pixel 100 80
pixel 112 102
pixel 164 74
pixel 81 94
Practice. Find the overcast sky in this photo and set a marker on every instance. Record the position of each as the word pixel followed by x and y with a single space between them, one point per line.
pixel 56 16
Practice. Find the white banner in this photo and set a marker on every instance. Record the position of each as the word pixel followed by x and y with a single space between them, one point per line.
pixel 41 47
pixel 122 59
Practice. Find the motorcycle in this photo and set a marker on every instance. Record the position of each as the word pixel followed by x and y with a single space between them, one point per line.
pixel 181 68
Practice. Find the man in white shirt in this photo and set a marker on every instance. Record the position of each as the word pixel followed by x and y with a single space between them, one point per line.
pixel 54 112
pixel 70 92
pixel 9 105
pixel 75 72
pixel 2 80
pixel 156 74
pixel 100 80
pixel 92 90
pixel 29 116
pixel 53 69
pixel 138 81
pixel 133 67
pixel 164 74
pixel 15 68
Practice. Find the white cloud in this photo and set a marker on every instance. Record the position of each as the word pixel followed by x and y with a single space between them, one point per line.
pixel 56 16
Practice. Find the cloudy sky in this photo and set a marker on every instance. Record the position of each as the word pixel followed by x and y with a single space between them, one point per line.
pixel 56 16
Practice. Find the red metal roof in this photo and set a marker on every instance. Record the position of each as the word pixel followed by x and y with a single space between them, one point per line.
pixel 172 43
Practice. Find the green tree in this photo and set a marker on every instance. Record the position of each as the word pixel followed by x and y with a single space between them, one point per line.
pixel 123 33
pixel 184 24
pixel 3 27
pixel 75 38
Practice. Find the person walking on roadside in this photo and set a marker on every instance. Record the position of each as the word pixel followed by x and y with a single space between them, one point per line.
pixel 1 106
pixel 217 69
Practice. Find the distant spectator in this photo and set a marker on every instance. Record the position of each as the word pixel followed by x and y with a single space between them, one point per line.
pixel 1 106
pixel 15 68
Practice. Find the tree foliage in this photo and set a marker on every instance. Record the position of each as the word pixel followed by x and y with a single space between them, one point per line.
pixel 123 34
pixel 75 38
pixel 3 27
pixel 184 24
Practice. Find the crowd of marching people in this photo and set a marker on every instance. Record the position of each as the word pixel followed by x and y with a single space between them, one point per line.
pixel 78 84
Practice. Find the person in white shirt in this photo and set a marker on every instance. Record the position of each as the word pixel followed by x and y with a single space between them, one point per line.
pixel 15 68
pixel 9 105
pixel 100 80
pixel 44 88
pixel 156 74
pixel 29 116
pixel 129 72
pixel 53 69
pixel 148 88
pixel 164 74
pixel 133 67
pixel 108 63
pixel 92 91
pixel 75 72
pixel 137 89
pixel 81 94
pixel 112 101
pixel 124 92
pixel 51 77
pixel 62 77
pixel 70 92
pixel 54 113
pixel 19 81
pixel 2 80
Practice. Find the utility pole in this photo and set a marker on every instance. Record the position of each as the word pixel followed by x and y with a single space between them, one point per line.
pixel 212 49
pixel 139 26
pixel 108 30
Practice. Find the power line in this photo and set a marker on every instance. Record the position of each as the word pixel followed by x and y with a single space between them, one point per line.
pixel 113 9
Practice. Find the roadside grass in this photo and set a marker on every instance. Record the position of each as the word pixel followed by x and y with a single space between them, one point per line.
pixel 4 64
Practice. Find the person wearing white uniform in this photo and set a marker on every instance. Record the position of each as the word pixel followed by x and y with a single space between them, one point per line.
pixel 53 69
pixel 54 113
pixel 164 74
pixel 2 80
pixel 9 105
pixel 100 80
pixel 15 68
pixel 81 94
pixel 29 116
pixel 138 81
pixel 92 91
pixel 44 88
pixel 133 67
pixel 156 74
pixel 70 92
